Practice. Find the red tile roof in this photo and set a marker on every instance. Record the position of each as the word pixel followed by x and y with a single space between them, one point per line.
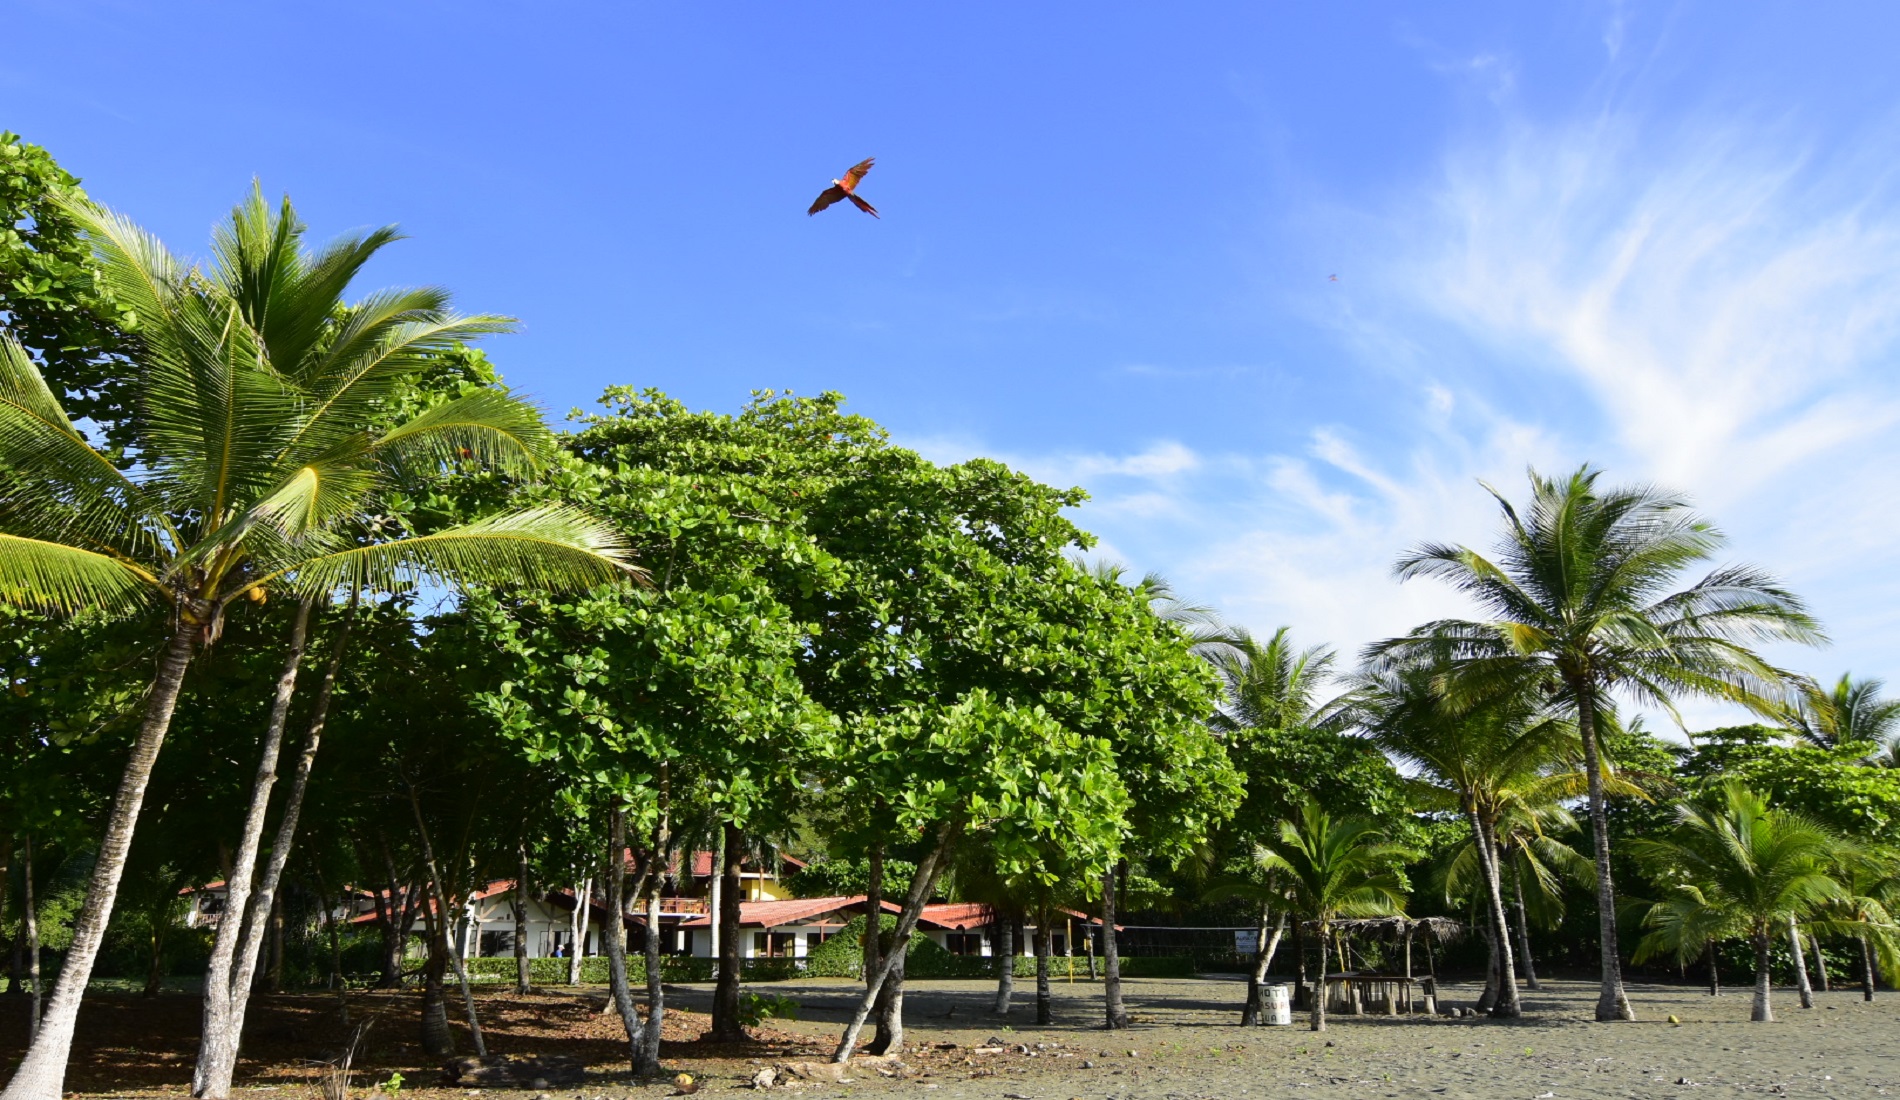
pixel 957 915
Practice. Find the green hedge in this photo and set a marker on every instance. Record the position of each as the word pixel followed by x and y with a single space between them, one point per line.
pixel 546 971
pixel 677 968
pixel 841 956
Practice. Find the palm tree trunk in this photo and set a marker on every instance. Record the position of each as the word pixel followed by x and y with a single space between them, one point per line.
pixel 1299 961
pixel 614 934
pixel 1866 971
pixel 1111 947
pixel 442 924
pixel 1319 991
pixel 30 925
pixel 921 885
pixel 217 1046
pixel 1613 1001
pixel 1715 972
pixel 1507 1005
pixel 42 1073
pixel 523 986
pixel 217 1060
pixel 1761 1011
pixel 1489 995
pixel 1800 965
pixel 1523 928
pixel 1005 965
pixel 1820 961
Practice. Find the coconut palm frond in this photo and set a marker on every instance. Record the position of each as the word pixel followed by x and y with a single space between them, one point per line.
pixel 489 429
pixel 53 577
pixel 551 547
pixel 54 483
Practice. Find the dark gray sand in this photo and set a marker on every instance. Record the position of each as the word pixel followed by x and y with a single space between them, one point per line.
pixel 1186 1045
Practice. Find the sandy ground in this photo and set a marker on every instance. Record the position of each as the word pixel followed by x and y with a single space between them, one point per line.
pixel 1185 1046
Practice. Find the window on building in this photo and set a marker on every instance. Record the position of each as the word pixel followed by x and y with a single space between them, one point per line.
pixel 964 943
pixel 774 945
pixel 497 943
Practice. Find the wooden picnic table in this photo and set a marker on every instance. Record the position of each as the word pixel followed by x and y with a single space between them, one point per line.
pixel 1385 994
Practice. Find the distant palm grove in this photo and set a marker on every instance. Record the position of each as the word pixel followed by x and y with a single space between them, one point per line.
pixel 327 662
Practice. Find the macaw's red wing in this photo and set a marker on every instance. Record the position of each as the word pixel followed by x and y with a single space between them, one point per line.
pixel 825 198
pixel 857 172
pixel 862 205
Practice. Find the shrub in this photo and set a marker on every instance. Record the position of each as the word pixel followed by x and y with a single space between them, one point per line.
pixel 756 1008
pixel 841 956
pixel 675 968
pixel 1158 966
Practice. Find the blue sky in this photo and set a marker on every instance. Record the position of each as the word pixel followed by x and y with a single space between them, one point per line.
pixel 1658 237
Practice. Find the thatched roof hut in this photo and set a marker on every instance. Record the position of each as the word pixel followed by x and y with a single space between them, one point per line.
pixel 1436 930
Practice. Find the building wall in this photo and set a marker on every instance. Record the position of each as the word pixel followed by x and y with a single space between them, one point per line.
pixel 802 938
pixel 491 931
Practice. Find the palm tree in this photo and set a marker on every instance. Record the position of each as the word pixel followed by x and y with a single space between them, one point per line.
pixel 1272 686
pixel 1740 870
pixel 1267 687
pixel 1483 760
pixel 1530 849
pixel 1201 623
pixel 1870 897
pixel 263 433
pixel 1852 712
pixel 1335 868
pixel 1582 608
pixel 1208 637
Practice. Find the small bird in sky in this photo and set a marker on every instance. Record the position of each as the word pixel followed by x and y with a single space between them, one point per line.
pixel 846 188
pixel 1332 278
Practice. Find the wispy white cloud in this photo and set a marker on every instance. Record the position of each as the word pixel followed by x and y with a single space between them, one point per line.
pixel 1615 29
pixel 1713 306
pixel 1725 297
